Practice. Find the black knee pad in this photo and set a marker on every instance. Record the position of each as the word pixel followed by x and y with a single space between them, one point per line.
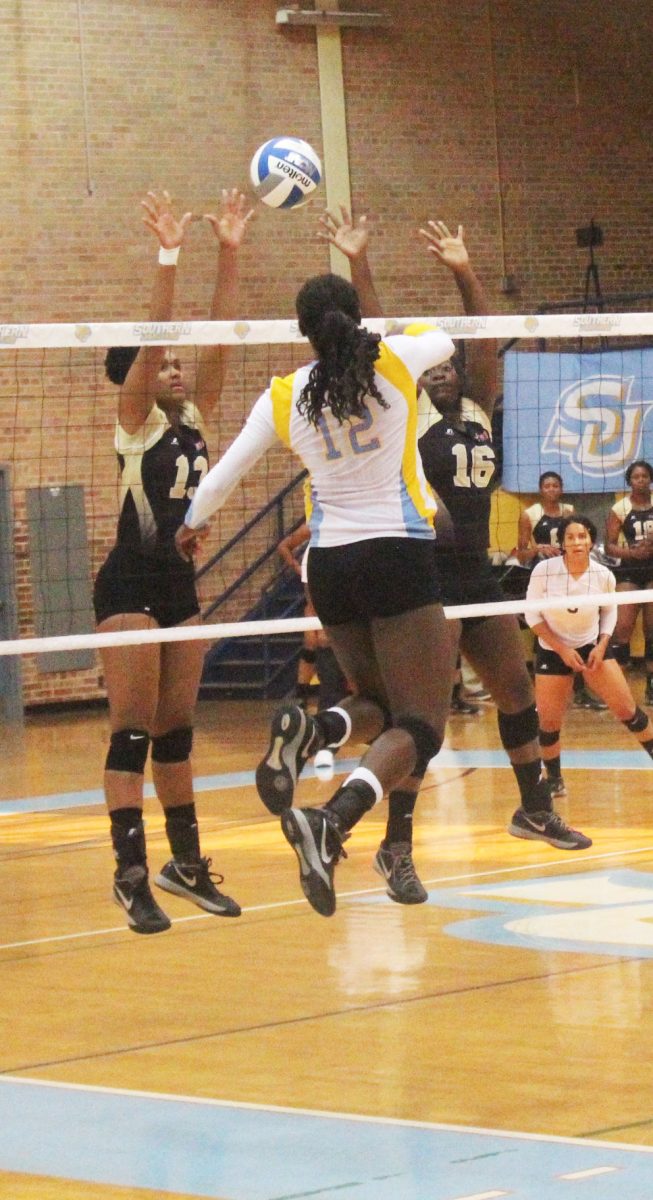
pixel 306 655
pixel 637 722
pixel 128 751
pixel 173 746
pixel 517 729
pixel 427 741
pixel 549 737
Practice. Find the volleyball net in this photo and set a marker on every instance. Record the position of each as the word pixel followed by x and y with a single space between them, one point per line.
pixel 576 398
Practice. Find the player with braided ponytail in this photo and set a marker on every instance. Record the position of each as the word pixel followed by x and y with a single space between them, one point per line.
pixel 351 416
pixel 343 376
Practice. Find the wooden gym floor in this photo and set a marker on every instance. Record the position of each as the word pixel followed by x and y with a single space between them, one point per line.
pixel 493 1042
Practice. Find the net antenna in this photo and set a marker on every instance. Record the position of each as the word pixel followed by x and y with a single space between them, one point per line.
pixel 587 237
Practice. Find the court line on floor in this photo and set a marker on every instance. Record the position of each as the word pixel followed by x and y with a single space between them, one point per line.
pixel 467 876
pixel 363 1118
pixel 595 760
pixel 60 1128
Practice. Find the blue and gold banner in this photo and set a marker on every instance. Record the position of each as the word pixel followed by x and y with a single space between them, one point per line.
pixel 586 416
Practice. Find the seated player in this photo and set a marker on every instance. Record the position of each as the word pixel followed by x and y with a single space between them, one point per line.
pixel 540 522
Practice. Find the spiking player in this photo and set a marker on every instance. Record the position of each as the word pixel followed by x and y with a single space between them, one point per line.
pixel 351 417
pixel 143 584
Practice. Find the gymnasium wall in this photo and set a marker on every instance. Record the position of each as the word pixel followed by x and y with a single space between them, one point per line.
pixel 520 120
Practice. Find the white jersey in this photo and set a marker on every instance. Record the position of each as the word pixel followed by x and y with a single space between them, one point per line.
pixel 366 474
pixel 574 626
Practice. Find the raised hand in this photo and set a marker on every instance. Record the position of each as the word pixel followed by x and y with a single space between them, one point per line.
pixel 230 225
pixel 160 218
pixel 450 249
pixel 340 230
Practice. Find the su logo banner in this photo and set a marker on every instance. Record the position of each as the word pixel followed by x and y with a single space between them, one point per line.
pixel 583 415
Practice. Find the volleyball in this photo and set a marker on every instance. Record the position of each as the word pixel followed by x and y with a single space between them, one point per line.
pixel 284 172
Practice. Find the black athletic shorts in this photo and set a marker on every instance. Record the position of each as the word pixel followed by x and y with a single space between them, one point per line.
pixel 467 579
pixel 380 577
pixel 635 577
pixel 547 662
pixel 132 583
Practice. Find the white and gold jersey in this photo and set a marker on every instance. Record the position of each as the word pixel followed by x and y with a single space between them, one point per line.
pixel 366 474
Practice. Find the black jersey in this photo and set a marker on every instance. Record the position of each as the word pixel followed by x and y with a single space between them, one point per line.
pixel 544 528
pixel 636 523
pixel 459 462
pixel 160 467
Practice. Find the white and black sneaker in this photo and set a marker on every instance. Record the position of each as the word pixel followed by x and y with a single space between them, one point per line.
pixel 318 845
pixel 196 882
pixel 547 827
pixel 293 738
pixel 395 864
pixel 131 891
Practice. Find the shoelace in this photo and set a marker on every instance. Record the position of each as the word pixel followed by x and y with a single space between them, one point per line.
pixel 557 825
pixel 339 851
pixel 203 869
pixel 404 869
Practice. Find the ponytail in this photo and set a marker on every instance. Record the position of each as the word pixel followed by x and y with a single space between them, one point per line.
pixel 343 376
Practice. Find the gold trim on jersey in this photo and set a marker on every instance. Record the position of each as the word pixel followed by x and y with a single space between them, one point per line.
pixel 281 395
pixel 392 369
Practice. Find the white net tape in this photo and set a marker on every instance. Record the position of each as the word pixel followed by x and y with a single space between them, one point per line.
pixel 244 333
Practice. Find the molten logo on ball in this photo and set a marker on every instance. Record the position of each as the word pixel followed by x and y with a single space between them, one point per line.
pixel 285 172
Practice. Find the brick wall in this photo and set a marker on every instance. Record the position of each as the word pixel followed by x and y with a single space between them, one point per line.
pixel 551 100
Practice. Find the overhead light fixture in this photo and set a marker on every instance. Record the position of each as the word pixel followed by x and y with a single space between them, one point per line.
pixel 315 16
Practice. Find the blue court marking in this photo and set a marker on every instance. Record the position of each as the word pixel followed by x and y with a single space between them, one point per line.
pixel 245 1152
pixel 597 912
pixel 595 760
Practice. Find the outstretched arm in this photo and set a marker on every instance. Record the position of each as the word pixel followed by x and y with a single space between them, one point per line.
pixel 229 228
pixel 258 435
pixel 138 393
pixel 480 356
pixel 339 230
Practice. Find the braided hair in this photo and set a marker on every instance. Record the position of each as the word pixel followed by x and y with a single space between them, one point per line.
pixel 329 315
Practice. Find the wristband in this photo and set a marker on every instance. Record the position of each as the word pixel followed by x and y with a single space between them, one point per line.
pixel 168 258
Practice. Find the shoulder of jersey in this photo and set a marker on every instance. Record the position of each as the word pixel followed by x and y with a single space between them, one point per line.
pixel 471 411
pixel 622 507
pixel 191 416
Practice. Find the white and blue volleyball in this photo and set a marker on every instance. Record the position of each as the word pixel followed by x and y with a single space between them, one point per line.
pixel 284 172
